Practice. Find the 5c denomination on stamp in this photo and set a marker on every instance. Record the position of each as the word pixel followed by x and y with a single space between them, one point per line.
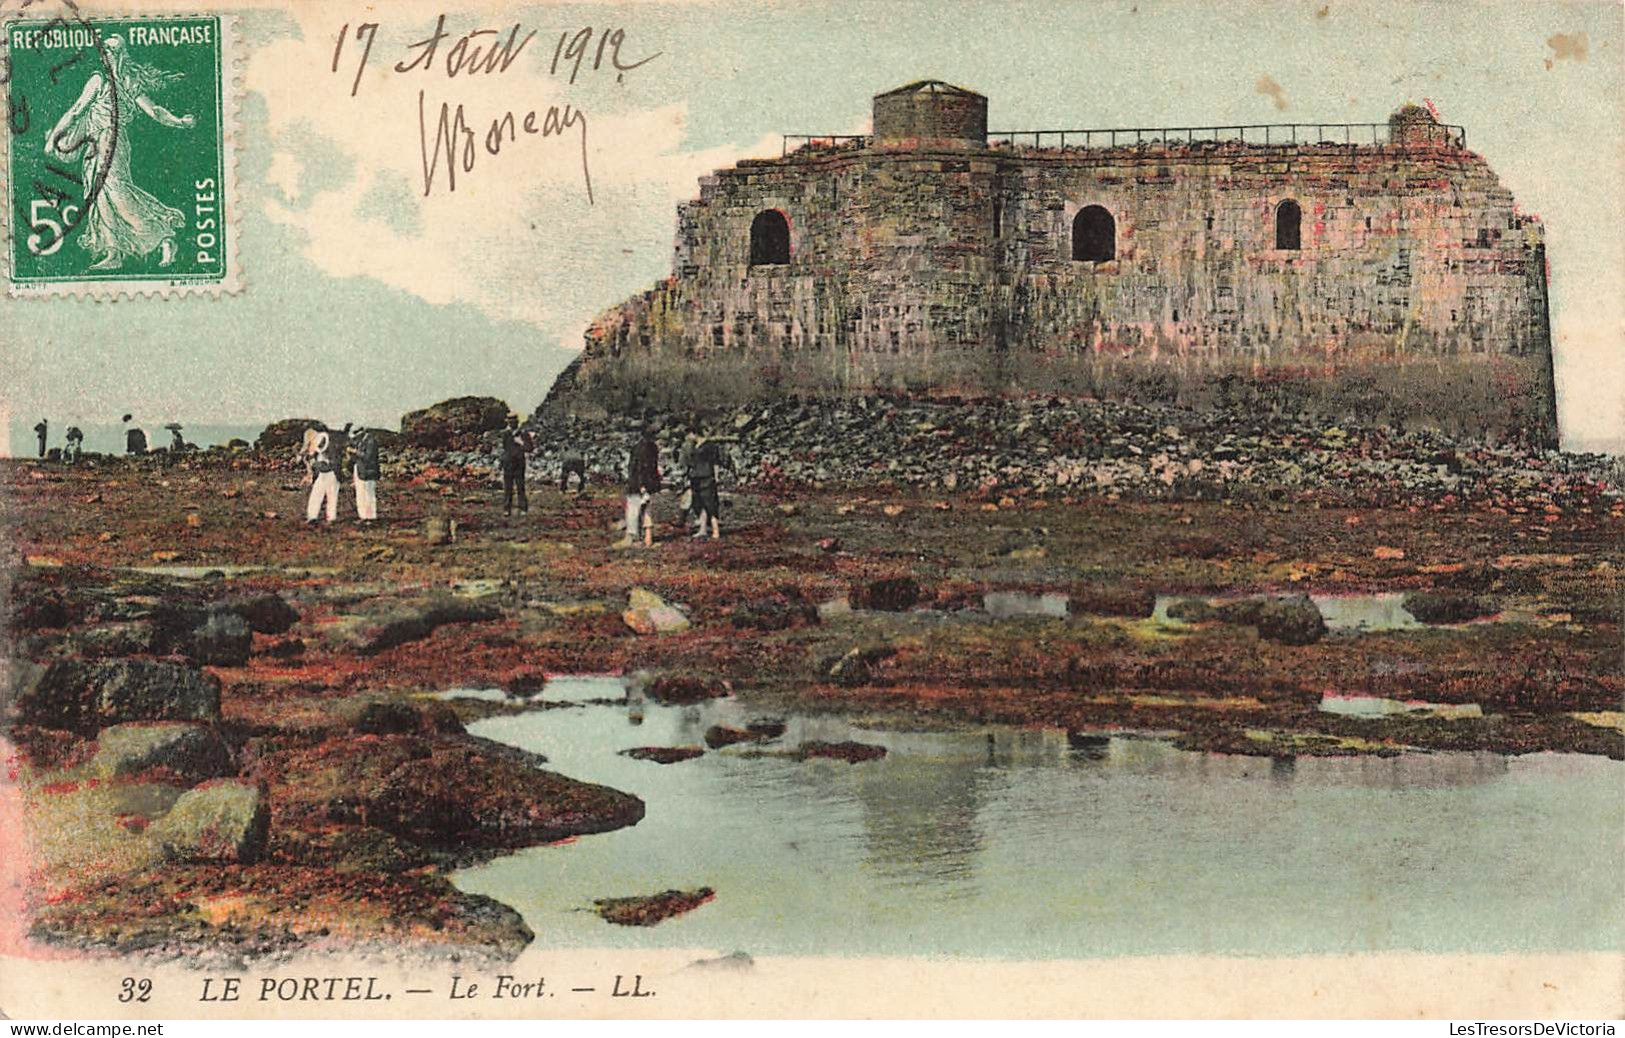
pixel 118 155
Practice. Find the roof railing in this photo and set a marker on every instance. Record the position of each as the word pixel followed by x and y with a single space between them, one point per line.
pixel 1264 134
pixel 1270 135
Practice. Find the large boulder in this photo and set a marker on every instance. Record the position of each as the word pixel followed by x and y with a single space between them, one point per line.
pixel 454 425
pixel 648 613
pixel 132 638
pixel 1290 621
pixel 224 822
pixel 191 751
pixel 286 434
pixel 86 695
pixel 397 621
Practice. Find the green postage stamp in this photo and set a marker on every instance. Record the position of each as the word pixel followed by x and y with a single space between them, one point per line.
pixel 118 155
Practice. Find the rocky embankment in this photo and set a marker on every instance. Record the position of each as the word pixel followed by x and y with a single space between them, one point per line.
pixel 1063 447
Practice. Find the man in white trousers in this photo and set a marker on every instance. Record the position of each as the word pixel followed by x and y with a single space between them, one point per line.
pixel 324 485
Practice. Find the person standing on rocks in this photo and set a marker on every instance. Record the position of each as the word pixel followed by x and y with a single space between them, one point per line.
pixel 515 448
pixel 324 484
pixel 574 464
pixel 642 483
pixel 39 432
pixel 702 459
pixel 366 472
pixel 76 445
pixel 135 438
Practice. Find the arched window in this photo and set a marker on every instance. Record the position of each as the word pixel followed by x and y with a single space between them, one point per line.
pixel 1094 235
pixel 1288 225
pixel 769 238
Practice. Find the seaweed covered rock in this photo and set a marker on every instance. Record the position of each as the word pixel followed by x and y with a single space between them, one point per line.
pixel 223 639
pixel 681 691
pixel 890 595
pixel 1443 607
pixel 226 822
pixel 393 622
pixel 849 751
pixel 1290 621
pixel 86 695
pixel 454 425
pixel 664 754
pixel 649 909
pixel 190 751
pixel 266 613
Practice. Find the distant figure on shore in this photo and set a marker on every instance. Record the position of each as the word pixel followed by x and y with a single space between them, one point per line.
pixel 515 448
pixel 76 445
pixel 701 458
pixel 39 432
pixel 177 442
pixel 642 483
pixel 576 465
pixel 135 439
pixel 324 479
pixel 366 471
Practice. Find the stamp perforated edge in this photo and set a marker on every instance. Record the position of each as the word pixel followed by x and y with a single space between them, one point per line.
pixel 229 284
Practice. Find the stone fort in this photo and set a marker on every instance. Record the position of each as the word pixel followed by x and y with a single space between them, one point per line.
pixel 932 252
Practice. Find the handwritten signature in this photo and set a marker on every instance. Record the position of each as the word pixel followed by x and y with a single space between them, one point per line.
pixel 485 51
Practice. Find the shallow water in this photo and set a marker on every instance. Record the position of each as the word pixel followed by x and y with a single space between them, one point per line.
pixel 1376 707
pixel 1004 605
pixel 1344 614
pixel 1026 843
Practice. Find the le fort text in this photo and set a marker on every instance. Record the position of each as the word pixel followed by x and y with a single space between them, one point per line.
pixel 371 989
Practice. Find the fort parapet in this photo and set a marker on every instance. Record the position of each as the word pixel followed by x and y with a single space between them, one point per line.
pixel 933 254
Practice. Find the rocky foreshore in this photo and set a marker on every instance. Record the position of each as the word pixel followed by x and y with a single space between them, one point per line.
pixel 226 727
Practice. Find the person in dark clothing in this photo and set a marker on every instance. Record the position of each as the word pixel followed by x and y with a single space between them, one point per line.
pixel 702 458
pixel 364 445
pixel 576 465
pixel 515 447
pixel 642 483
pixel 76 445
pixel 39 431
pixel 135 439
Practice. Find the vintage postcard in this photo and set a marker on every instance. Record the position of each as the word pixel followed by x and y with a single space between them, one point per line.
pixel 781 509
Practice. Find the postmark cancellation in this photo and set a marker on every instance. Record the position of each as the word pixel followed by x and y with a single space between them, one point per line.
pixel 119 175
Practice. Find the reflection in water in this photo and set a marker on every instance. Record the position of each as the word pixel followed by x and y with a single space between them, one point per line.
pixel 1044 843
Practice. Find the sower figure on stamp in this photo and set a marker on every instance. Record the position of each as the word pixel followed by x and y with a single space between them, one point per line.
pixel 324 478
pixel 365 447
pixel 124 221
pixel 39 431
pixel 515 448
pixel 642 483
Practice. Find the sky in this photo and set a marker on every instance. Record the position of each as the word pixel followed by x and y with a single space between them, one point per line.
pixel 362 297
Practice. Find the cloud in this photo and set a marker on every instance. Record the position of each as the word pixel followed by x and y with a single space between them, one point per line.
pixel 518 238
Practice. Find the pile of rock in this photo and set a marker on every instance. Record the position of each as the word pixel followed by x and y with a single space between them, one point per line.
pixel 1070 447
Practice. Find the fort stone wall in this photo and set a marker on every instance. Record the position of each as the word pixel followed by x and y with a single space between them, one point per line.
pixel 926 250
